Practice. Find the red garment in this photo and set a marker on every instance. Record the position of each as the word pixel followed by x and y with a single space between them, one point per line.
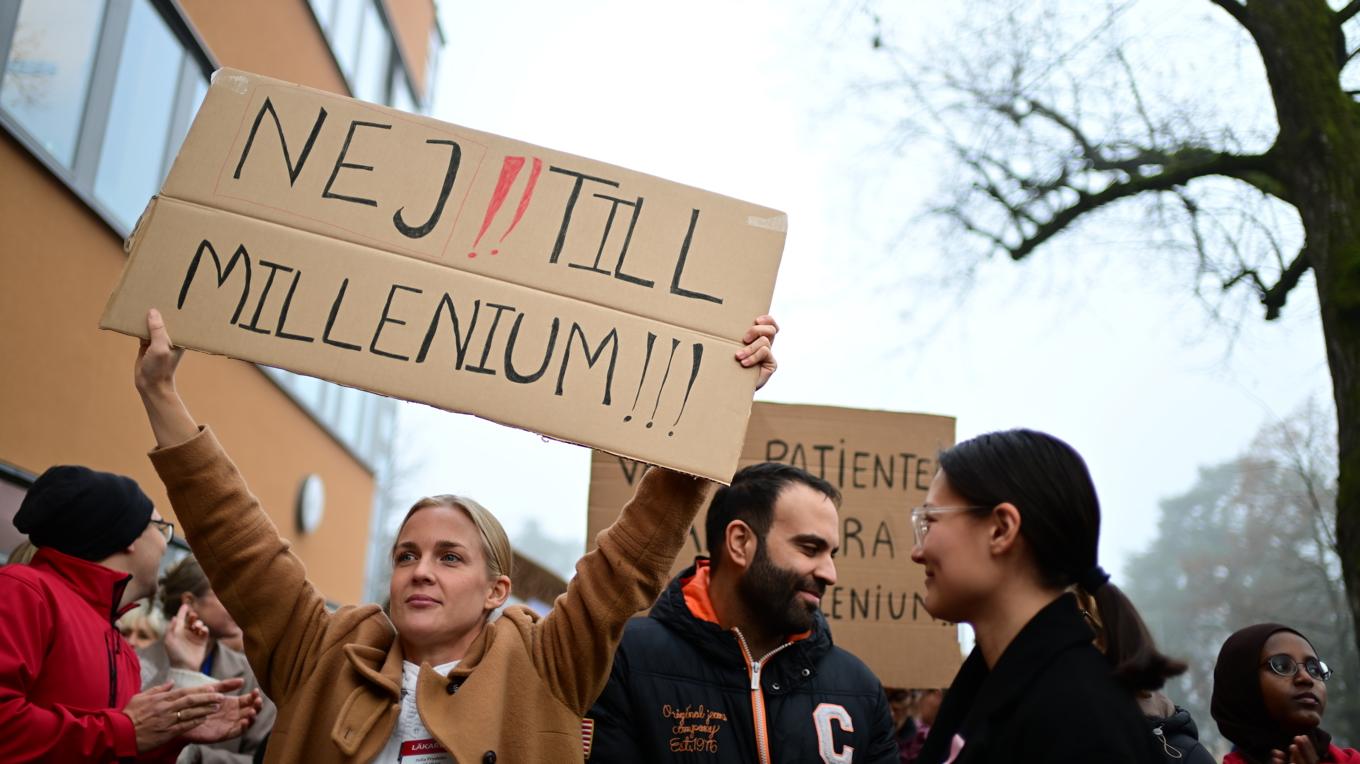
pixel 64 668
pixel 1339 755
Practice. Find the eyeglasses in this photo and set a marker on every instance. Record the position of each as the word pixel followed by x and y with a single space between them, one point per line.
pixel 1287 667
pixel 921 515
pixel 167 529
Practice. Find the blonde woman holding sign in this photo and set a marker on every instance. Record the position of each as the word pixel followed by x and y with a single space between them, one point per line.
pixel 439 681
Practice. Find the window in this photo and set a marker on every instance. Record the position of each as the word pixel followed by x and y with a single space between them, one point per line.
pixel 102 93
pixel 374 62
pixel 13 486
pixel 401 91
pixel 363 422
pixel 365 50
pixel 48 69
pixel 432 63
pixel 324 10
pixel 197 88
pixel 139 116
pixel 344 34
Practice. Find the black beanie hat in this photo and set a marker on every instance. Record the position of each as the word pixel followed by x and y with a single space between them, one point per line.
pixel 83 512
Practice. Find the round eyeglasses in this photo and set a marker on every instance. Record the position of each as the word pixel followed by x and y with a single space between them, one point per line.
pixel 1286 666
pixel 920 519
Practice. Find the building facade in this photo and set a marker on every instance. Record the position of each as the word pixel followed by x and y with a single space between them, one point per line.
pixel 95 98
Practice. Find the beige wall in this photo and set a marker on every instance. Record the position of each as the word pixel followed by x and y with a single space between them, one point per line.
pixel 276 38
pixel 280 38
pixel 66 392
pixel 412 21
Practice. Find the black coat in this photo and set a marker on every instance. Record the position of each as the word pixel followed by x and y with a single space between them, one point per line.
pixel 681 691
pixel 1181 734
pixel 1050 699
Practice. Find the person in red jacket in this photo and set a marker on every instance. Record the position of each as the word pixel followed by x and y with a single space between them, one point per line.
pixel 68 681
pixel 1270 691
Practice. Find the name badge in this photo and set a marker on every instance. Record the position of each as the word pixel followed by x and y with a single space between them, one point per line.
pixel 427 751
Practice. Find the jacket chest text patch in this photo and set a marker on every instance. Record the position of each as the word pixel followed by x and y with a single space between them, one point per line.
pixel 694 729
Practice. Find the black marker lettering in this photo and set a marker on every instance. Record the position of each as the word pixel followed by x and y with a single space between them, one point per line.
pixel 581 178
pixel 415 232
pixel 480 368
pixel 293 170
pixel 385 320
pixel 254 324
pixel 330 322
pixel 680 266
pixel 341 163
pixel 460 342
pixel 515 376
pixel 283 314
pixel 240 255
pixel 611 339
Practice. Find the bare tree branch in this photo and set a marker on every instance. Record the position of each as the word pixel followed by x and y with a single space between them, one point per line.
pixel 1242 167
pixel 1346 13
pixel 1235 8
pixel 1273 298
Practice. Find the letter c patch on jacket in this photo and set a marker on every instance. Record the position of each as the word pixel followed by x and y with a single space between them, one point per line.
pixel 823 715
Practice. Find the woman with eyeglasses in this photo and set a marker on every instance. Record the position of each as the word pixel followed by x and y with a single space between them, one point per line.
pixel 1270 691
pixel 1010 526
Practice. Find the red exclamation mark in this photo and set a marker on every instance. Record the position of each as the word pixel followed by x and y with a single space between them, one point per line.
pixel 509 171
pixel 524 198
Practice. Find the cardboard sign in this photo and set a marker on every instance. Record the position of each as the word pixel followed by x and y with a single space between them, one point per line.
pixel 882 462
pixel 427 261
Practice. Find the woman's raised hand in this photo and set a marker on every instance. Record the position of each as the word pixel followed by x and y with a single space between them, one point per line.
pixel 154 376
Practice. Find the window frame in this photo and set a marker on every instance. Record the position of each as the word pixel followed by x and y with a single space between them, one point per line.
pixel 94 114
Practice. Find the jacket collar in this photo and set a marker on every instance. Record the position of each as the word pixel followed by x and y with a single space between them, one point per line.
pixel 686 607
pixel 380 667
pixel 99 586
pixel 1054 629
pixel 978 693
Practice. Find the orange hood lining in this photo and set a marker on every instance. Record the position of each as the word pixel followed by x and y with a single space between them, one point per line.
pixel 700 604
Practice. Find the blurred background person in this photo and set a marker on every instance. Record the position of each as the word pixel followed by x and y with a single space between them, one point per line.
pixel 69 682
pixel 21 553
pixel 925 704
pixel 142 625
pixel 1174 729
pixel 201 644
pixel 901 705
pixel 1270 692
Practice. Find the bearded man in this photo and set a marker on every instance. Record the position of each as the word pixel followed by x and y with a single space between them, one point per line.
pixel 735 662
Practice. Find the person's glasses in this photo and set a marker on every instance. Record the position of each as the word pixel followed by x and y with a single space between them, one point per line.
pixel 920 518
pixel 167 529
pixel 1288 667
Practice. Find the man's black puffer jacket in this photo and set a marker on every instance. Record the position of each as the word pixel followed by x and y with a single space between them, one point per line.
pixel 682 690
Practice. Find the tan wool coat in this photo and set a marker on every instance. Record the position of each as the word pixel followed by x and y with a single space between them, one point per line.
pixel 520 691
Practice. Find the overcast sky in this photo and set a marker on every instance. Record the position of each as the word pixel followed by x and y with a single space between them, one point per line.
pixel 1097 344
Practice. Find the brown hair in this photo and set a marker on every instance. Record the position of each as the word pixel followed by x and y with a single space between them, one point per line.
pixel 184 576
pixel 495 542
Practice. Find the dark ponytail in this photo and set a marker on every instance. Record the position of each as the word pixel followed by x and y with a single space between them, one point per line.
pixel 1048 482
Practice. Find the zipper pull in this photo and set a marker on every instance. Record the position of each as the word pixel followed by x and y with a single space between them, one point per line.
pixel 755 675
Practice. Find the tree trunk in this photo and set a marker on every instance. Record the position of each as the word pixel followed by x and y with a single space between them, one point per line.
pixel 1317 157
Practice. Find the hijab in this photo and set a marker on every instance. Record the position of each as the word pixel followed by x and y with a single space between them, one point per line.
pixel 1238 705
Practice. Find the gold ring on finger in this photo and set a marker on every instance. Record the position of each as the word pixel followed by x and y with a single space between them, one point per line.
pixel 178 717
